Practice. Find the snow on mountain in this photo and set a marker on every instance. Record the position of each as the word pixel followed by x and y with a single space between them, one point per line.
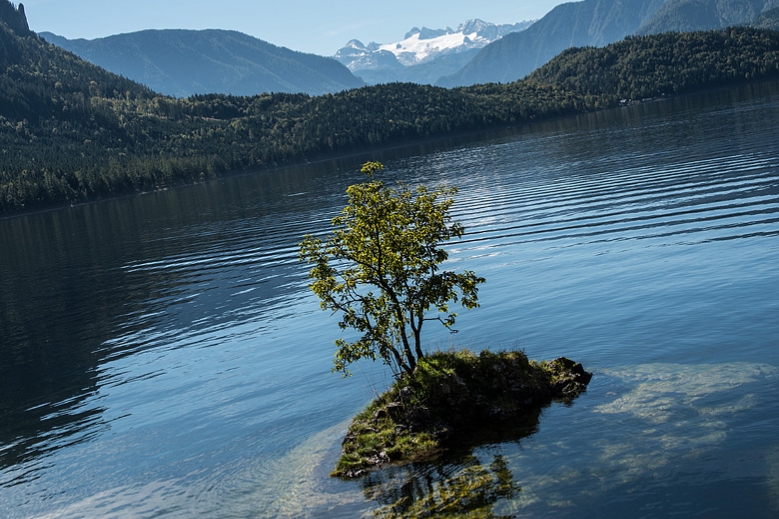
pixel 424 45
pixel 357 56
pixel 415 49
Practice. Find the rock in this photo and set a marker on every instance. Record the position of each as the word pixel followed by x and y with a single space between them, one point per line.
pixel 379 459
pixel 350 437
pixel 15 18
pixel 395 410
pixel 582 376
pixel 418 417
pixel 473 398
pixel 570 377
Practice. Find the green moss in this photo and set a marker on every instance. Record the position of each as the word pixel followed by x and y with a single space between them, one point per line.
pixel 455 398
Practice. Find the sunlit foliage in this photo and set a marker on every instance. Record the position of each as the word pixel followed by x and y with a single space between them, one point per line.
pixel 381 270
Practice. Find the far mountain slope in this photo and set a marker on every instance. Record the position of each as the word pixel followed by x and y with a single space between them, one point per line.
pixel 74 132
pixel 767 20
pixel 183 62
pixel 576 24
pixel 700 15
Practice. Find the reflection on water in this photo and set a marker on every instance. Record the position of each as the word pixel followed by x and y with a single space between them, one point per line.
pixel 667 429
pixel 470 492
pixel 677 416
pixel 87 286
pixel 667 425
pixel 298 486
pixel 460 485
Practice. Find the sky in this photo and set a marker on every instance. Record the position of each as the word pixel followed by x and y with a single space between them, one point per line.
pixel 319 27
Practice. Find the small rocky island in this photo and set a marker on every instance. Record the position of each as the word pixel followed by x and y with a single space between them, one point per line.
pixel 454 399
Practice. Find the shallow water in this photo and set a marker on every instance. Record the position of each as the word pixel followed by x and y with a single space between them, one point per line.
pixel 162 357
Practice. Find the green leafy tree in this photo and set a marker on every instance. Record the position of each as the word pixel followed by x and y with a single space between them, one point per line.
pixel 380 268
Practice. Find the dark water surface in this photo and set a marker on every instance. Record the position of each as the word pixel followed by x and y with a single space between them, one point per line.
pixel 161 356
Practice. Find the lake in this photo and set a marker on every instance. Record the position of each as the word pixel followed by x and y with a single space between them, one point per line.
pixel 161 355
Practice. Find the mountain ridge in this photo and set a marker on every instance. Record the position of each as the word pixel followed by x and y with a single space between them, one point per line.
pixel 574 24
pixel 182 63
pixel 72 132
pixel 15 18
pixel 600 22
pixel 701 15
pixel 767 20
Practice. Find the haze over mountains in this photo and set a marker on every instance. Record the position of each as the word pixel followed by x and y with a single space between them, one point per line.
pixel 767 20
pixel 701 15
pixel 183 62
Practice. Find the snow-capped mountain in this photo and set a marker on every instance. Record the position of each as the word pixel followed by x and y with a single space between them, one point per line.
pixel 357 56
pixel 424 45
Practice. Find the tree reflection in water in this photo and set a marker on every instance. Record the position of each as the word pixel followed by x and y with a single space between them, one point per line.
pixel 461 485
pixel 464 490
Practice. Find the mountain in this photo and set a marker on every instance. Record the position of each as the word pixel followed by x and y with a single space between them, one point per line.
pixel 41 82
pixel 700 15
pixel 597 23
pixel 183 62
pixel 426 73
pixel 575 24
pixel 665 64
pixel 767 20
pixel 72 132
pixel 14 18
pixel 423 55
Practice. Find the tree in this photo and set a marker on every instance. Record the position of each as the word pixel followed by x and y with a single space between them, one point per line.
pixel 381 269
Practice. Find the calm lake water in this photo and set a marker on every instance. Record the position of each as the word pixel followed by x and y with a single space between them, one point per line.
pixel 161 356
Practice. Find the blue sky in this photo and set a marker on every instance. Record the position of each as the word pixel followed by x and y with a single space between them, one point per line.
pixel 320 27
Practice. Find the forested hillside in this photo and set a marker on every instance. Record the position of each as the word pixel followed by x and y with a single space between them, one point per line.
pixel 72 132
pixel 14 18
pixel 666 64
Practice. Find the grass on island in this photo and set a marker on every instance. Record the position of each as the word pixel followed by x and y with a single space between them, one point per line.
pixel 451 399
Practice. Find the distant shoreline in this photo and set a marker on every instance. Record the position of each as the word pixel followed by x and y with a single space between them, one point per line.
pixel 372 152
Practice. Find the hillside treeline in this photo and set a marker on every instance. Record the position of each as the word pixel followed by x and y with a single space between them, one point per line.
pixel 666 64
pixel 72 132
